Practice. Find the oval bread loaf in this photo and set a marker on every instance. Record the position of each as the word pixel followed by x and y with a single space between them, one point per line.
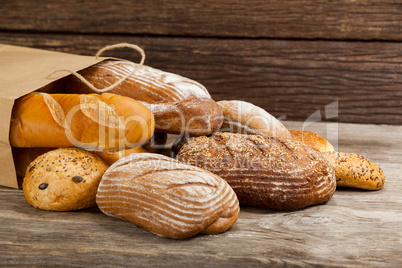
pixel 264 172
pixel 247 118
pixel 167 197
pixel 355 171
pixel 93 121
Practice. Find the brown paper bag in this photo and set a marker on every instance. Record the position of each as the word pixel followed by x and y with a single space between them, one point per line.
pixel 24 70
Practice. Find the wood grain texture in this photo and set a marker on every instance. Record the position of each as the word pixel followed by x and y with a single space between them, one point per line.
pixel 345 19
pixel 290 79
pixel 355 228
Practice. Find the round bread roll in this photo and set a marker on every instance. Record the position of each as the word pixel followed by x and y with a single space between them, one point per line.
pixel 64 179
pixel 312 139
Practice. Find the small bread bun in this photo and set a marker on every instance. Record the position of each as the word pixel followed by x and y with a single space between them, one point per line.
pixel 64 179
pixel 355 171
pixel 312 139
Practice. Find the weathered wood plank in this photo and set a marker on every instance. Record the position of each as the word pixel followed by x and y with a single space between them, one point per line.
pixel 354 229
pixel 345 19
pixel 290 79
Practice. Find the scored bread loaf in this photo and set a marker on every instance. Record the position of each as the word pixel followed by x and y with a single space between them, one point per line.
pixel 355 171
pixel 312 139
pixel 93 121
pixel 247 118
pixel 165 91
pixel 167 197
pixel 264 172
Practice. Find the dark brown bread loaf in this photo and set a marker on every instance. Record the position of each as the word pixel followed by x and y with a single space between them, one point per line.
pixel 167 197
pixel 264 172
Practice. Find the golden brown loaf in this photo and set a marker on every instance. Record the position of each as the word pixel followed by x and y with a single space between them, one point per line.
pixel 167 197
pixel 175 99
pixel 264 172
pixel 312 139
pixel 95 122
pixel 356 171
pixel 246 118
pixel 110 157
pixel 63 179
pixel 197 116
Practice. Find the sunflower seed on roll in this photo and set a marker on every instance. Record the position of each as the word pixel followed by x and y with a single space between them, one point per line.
pixel 264 172
pixel 167 197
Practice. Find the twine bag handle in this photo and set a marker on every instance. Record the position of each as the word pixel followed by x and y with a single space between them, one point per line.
pixel 121 80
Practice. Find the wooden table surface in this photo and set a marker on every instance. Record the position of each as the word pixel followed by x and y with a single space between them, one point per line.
pixel 355 228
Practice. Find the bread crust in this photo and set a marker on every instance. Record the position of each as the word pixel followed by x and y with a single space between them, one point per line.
pixel 63 179
pixel 264 172
pixel 167 197
pixel 312 139
pixel 356 171
pixel 93 121
pixel 246 118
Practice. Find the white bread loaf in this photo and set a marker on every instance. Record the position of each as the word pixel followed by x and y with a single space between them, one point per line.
pixel 246 118
pixel 167 197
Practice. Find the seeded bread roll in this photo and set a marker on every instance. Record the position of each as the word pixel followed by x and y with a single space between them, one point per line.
pixel 246 118
pixel 179 104
pixel 63 179
pixel 264 172
pixel 312 139
pixel 167 197
pixel 93 122
pixel 356 171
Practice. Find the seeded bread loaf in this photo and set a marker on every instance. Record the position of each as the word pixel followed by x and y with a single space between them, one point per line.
pixel 312 139
pixel 175 99
pixel 63 179
pixel 93 121
pixel 264 172
pixel 247 118
pixel 356 171
pixel 167 197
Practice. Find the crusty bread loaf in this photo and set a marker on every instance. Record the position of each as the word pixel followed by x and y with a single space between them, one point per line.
pixel 264 172
pixel 247 118
pixel 63 179
pixel 95 122
pixel 167 197
pixel 356 171
pixel 146 84
pixel 197 116
pixel 312 139
pixel 178 103
pixel 110 157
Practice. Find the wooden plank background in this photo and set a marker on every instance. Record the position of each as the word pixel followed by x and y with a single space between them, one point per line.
pixel 292 58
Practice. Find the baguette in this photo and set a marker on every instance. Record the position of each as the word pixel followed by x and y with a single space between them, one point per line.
pixel 264 172
pixel 93 122
pixel 167 197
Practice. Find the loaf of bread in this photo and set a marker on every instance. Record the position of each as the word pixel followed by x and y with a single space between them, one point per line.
pixel 246 118
pixel 264 172
pixel 167 197
pixel 355 171
pixel 64 179
pixel 312 139
pixel 165 91
pixel 93 122
pixel 196 117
